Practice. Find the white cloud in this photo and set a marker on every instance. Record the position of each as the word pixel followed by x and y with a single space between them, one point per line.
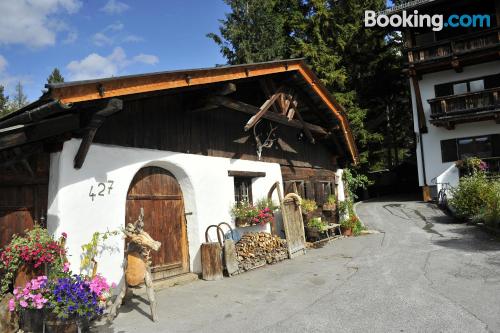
pixel 146 59
pixel 117 26
pixel 115 7
pixel 100 39
pixel 96 66
pixel 132 39
pixel 32 23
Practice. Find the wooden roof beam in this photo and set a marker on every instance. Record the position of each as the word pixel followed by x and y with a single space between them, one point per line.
pixel 278 118
pixel 114 105
pixel 263 109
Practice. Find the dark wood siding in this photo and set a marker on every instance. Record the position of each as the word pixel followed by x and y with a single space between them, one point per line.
pixel 164 123
pixel 23 197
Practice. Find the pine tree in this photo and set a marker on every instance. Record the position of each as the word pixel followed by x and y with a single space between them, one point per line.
pixel 55 76
pixel 4 102
pixel 361 67
pixel 19 99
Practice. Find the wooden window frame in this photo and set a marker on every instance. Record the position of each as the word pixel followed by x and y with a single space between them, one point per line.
pixel 238 181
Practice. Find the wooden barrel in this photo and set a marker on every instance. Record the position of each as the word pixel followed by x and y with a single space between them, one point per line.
pixel 136 269
pixel 211 256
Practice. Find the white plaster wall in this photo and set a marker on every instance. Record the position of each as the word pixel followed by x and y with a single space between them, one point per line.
pixel 207 189
pixel 431 140
pixel 450 176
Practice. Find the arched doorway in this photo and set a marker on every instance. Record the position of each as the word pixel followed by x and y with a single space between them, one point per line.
pixel 158 192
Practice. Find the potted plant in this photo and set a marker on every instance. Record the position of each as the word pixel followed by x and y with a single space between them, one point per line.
pixel 471 165
pixel 29 301
pixel 347 225
pixel 26 257
pixel 74 300
pixel 246 214
pixel 308 208
pixel 331 203
pixel 314 227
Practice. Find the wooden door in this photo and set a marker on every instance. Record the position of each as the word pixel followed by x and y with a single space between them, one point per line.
pixel 158 192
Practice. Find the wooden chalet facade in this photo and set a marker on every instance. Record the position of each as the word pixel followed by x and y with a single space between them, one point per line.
pixel 182 145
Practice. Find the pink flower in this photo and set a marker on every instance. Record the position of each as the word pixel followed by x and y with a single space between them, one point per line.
pixel 66 267
pixel 12 305
pixel 23 304
pixel 64 235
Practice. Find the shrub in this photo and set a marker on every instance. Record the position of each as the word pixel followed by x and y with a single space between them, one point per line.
pixel 316 223
pixel 308 206
pixel 491 210
pixel 35 249
pixel 468 198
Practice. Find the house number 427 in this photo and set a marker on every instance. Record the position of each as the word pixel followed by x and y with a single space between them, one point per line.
pixel 101 189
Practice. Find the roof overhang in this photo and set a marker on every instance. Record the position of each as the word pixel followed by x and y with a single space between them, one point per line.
pixel 82 91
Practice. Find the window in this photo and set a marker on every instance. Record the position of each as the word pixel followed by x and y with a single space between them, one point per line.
pixel 459 88
pixel 295 186
pixel 462 87
pixel 481 146
pixel 243 189
pixel 476 85
pixel 474 147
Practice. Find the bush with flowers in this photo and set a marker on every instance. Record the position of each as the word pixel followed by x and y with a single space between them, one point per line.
pixel 65 297
pixel 77 297
pixel 246 214
pixel 31 296
pixel 36 249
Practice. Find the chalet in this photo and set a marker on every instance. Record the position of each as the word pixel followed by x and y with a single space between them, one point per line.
pixel 182 145
pixel 455 87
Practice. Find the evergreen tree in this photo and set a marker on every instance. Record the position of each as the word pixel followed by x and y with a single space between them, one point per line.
pixel 361 67
pixel 19 99
pixel 55 76
pixel 4 102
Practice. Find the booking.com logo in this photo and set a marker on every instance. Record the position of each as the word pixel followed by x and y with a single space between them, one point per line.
pixel 436 22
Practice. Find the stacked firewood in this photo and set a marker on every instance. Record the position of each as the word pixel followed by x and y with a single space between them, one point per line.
pixel 255 249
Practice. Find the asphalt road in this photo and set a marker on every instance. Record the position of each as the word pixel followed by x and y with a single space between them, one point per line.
pixel 423 273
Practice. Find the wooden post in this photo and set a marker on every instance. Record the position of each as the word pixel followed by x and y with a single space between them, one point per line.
pixel 211 261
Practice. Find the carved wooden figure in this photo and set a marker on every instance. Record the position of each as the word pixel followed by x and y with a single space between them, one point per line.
pixel 137 264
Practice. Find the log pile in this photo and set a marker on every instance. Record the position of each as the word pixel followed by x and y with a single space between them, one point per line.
pixel 255 249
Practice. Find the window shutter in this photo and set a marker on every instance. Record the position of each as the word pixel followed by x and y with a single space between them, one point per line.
pixel 449 150
pixel 309 187
pixel 320 193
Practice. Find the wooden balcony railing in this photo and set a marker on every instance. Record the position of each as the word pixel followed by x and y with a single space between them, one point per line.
pixel 455 47
pixel 488 99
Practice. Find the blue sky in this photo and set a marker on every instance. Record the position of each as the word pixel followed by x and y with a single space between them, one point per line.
pixel 100 38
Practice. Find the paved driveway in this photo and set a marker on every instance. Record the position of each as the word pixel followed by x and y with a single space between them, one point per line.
pixel 423 273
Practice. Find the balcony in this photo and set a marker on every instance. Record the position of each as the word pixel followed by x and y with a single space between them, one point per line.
pixel 473 106
pixel 463 50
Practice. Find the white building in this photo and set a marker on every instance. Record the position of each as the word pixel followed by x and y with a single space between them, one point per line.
pixel 455 90
pixel 183 145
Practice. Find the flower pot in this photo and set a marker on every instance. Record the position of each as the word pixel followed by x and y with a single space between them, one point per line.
pixel 329 207
pixel 31 320
pixel 53 325
pixel 243 222
pixel 312 233
pixel 346 231
pixel 25 274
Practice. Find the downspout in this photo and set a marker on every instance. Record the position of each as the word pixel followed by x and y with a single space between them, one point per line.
pixel 422 128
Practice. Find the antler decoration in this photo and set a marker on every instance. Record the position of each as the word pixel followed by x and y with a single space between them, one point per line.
pixel 268 142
